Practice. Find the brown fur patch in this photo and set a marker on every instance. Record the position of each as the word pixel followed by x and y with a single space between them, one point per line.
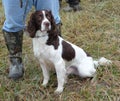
pixel 68 52
pixel 53 41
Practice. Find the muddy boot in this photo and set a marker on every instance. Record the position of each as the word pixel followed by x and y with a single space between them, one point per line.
pixel 74 5
pixel 59 28
pixel 72 8
pixel 67 9
pixel 14 45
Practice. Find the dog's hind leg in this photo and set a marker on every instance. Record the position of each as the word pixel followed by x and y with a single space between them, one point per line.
pixel 86 68
pixel 72 70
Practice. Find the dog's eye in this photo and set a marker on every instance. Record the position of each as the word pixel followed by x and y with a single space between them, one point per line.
pixel 48 16
pixel 40 15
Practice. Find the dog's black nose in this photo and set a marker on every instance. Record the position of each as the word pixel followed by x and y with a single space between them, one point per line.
pixel 46 24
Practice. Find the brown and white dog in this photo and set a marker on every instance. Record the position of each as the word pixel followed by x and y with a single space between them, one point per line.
pixel 53 51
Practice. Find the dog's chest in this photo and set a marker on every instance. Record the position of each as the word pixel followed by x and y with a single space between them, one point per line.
pixel 41 49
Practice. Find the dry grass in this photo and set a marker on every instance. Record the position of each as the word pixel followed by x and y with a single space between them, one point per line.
pixel 97 30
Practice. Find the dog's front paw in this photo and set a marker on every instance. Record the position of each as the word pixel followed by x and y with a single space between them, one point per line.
pixel 45 82
pixel 44 85
pixel 58 90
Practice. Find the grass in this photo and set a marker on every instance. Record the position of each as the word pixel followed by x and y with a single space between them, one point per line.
pixel 96 29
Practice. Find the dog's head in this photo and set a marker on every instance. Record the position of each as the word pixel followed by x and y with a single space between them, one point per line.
pixel 42 20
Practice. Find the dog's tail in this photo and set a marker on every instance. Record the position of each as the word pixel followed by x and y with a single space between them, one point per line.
pixel 102 62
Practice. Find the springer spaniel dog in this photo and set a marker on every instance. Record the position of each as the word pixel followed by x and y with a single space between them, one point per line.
pixel 53 51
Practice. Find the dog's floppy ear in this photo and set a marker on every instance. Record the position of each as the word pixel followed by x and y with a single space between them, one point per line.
pixel 53 33
pixel 53 24
pixel 31 27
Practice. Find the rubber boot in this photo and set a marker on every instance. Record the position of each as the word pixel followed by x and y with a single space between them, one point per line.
pixel 74 5
pixel 14 45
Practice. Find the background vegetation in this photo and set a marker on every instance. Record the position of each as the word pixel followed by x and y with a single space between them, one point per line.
pixel 96 29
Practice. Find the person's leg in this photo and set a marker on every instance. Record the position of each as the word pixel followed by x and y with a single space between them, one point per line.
pixel 52 5
pixel 14 14
pixel 13 33
pixel 73 5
